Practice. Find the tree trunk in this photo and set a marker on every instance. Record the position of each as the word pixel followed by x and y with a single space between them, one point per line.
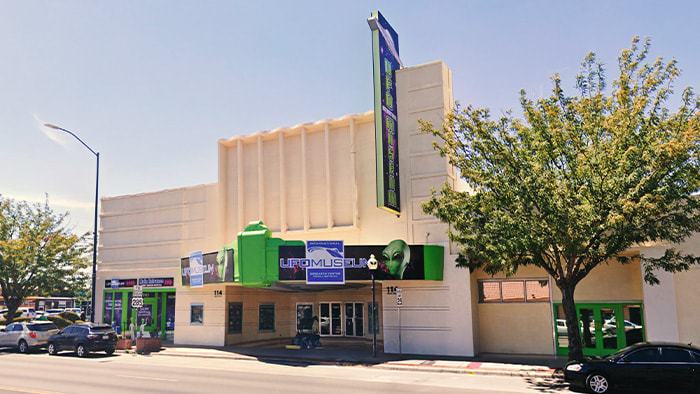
pixel 12 306
pixel 573 328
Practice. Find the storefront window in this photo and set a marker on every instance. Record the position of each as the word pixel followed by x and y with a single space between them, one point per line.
pixel 305 318
pixel 170 312
pixel 512 290
pixel 196 314
pixel 117 318
pixel 235 317
pixel 266 317
pixel 108 308
pixel 129 314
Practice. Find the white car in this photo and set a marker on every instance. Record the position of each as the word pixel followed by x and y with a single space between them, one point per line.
pixel 77 311
pixel 26 312
pixel 27 335
pixel 53 312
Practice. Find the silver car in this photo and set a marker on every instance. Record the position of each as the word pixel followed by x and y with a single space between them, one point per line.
pixel 27 335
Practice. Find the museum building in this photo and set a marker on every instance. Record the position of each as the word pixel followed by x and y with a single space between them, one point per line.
pixel 298 212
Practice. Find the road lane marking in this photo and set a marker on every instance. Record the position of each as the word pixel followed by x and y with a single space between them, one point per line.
pixel 25 390
pixel 147 378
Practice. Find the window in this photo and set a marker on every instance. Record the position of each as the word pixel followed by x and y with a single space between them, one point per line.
pixel 507 290
pixel 235 317
pixel 266 317
pixel 196 314
pixel 305 318
pixel 673 355
pixel 646 355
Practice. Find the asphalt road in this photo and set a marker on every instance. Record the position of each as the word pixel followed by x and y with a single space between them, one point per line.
pixel 130 373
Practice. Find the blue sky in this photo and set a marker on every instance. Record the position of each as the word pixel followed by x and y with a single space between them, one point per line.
pixel 152 85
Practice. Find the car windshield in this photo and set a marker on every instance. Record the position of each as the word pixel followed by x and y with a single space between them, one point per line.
pixel 41 327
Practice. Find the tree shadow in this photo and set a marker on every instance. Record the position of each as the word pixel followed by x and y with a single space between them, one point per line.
pixel 551 384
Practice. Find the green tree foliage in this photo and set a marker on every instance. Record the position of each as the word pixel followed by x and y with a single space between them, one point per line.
pixel 38 253
pixel 579 180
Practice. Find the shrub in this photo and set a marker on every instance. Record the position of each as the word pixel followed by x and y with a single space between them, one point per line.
pixel 60 322
pixel 70 316
pixel 3 322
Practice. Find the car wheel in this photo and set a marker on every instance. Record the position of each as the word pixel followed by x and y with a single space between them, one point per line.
pixel 109 351
pixel 81 351
pixel 22 346
pixel 52 349
pixel 597 383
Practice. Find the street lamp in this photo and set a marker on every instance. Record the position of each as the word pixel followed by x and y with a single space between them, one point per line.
pixel 372 265
pixel 94 234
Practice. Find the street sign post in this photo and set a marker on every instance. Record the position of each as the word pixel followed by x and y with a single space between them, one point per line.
pixel 138 291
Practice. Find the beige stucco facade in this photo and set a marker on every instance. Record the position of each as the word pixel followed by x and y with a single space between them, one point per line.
pixel 313 181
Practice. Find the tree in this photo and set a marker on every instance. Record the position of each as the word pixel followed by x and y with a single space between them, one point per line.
pixel 579 180
pixel 38 254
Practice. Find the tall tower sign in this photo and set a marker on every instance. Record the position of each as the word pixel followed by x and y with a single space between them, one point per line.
pixel 385 47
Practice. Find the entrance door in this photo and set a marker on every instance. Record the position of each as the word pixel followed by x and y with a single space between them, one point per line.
pixel 354 319
pixel 331 319
pixel 604 328
pixel 146 315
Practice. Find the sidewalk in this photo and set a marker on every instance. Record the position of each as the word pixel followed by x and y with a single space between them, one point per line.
pixel 485 364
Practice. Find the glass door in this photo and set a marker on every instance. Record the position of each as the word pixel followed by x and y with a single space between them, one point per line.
pixel 331 319
pixel 146 316
pixel 354 320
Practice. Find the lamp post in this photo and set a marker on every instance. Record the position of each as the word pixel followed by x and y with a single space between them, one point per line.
pixel 94 234
pixel 372 265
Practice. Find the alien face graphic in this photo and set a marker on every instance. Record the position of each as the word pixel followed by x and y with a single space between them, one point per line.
pixel 396 256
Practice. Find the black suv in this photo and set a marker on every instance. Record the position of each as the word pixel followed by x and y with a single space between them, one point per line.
pixel 84 338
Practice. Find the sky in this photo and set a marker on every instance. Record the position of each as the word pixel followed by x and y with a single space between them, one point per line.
pixel 152 85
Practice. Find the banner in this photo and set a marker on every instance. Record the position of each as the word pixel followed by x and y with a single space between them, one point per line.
pixel 216 267
pixel 196 269
pixel 326 263
pixel 397 260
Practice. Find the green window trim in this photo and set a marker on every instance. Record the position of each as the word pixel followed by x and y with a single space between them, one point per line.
pixel 599 338
pixel 124 294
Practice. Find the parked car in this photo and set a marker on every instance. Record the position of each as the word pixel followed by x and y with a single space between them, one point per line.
pixel 53 312
pixel 84 338
pixel 27 335
pixel 26 312
pixel 649 366
pixel 77 311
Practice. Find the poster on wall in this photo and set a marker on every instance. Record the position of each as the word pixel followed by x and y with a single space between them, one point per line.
pixel 108 308
pixel 217 267
pixel 145 315
pixel 170 312
pixel 397 260
pixel 196 269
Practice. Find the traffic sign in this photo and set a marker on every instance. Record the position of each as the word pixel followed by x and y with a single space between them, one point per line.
pixel 399 299
pixel 138 291
pixel 137 302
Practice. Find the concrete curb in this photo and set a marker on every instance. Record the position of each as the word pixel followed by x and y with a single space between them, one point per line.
pixel 493 369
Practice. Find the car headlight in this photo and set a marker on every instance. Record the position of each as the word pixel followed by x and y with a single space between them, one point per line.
pixel 574 367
